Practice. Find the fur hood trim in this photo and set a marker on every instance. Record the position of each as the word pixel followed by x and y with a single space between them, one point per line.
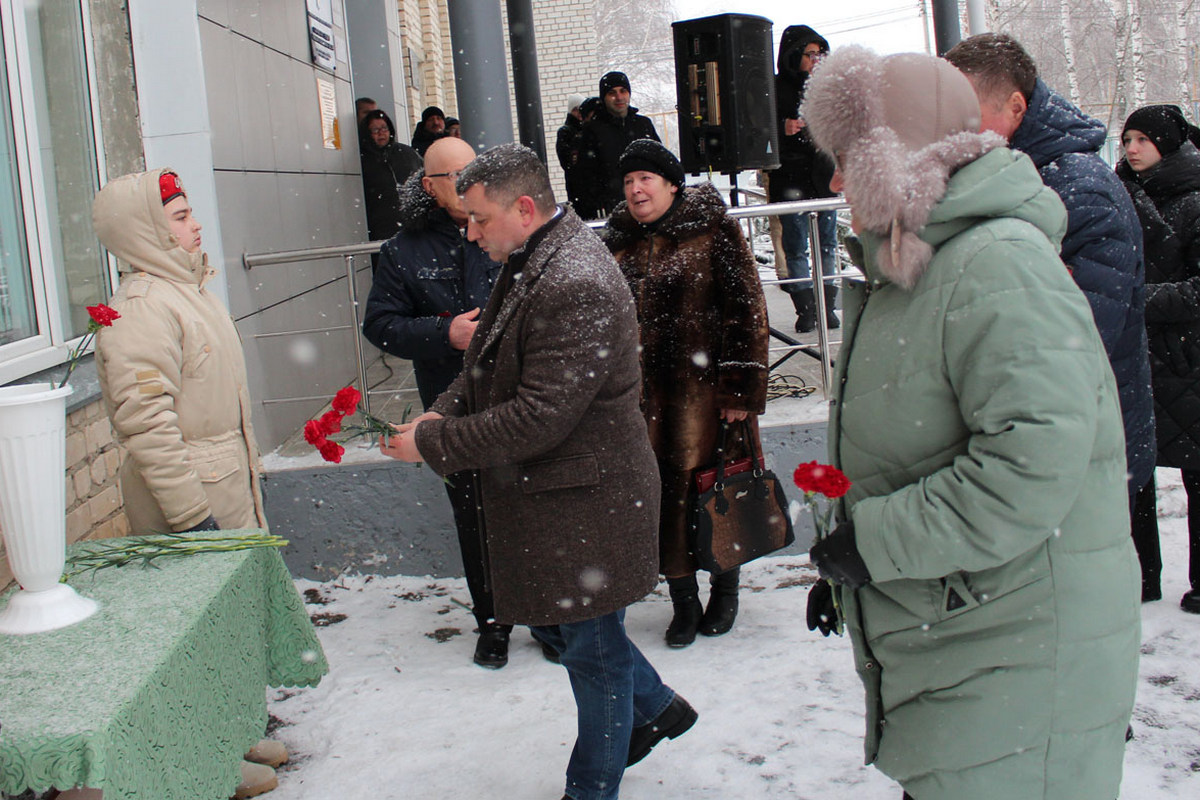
pixel 892 185
pixel 701 211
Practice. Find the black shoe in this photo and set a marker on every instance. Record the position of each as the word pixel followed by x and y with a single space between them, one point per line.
pixel 682 630
pixel 806 311
pixel 491 651
pixel 719 616
pixel 671 723
pixel 831 320
pixel 1191 602
pixel 1151 592
pixel 550 654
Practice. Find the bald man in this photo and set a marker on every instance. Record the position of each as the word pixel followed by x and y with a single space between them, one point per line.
pixel 424 304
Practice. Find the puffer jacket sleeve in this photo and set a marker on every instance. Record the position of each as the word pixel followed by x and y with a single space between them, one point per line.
pixel 1027 373
pixel 392 322
pixel 139 360
pixel 1102 248
pixel 742 364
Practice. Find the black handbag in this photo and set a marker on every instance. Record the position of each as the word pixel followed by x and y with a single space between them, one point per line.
pixel 743 516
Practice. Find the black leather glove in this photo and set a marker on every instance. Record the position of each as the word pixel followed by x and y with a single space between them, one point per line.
pixel 836 558
pixel 209 524
pixel 822 615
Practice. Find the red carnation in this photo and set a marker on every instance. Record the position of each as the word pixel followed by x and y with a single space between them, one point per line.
pixel 345 402
pixel 103 315
pixel 821 479
pixel 331 451
pixel 331 422
pixel 314 433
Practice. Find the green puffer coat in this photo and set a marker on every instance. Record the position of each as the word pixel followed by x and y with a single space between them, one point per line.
pixel 977 417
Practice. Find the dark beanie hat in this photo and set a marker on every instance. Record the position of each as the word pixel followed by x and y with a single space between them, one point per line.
pixel 432 111
pixel 612 80
pixel 591 106
pixel 651 156
pixel 1164 124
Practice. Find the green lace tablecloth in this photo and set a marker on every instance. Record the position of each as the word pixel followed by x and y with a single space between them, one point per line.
pixel 158 694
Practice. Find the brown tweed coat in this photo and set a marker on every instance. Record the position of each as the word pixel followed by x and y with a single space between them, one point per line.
pixel 546 409
pixel 704 342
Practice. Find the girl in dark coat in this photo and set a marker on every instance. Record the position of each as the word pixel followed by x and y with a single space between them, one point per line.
pixel 386 165
pixel 1161 168
pixel 703 328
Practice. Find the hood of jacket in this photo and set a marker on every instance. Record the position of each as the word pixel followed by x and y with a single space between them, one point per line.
pixel 1000 184
pixel 128 218
pixel 791 46
pixel 419 210
pixel 1053 127
pixel 700 211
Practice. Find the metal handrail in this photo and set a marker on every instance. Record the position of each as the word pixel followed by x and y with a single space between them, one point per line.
pixel 349 251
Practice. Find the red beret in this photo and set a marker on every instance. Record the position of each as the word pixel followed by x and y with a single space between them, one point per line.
pixel 170 187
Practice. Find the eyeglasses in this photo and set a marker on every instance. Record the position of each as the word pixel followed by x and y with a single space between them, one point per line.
pixel 451 175
pixel 815 55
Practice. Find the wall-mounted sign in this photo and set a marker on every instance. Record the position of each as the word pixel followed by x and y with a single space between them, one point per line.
pixel 327 100
pixel 320 33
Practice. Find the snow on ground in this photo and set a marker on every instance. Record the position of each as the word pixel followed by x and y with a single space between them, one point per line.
pixel 405 715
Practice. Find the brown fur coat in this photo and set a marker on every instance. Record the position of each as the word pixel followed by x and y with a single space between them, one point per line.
pixel 703 323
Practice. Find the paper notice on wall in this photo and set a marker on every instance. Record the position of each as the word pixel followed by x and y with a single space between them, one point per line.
pixel 327 100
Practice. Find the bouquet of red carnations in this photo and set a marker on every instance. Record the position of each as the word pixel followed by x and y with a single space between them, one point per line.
pixel 319 432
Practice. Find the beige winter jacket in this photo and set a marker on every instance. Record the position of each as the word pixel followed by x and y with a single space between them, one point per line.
pixel 173 375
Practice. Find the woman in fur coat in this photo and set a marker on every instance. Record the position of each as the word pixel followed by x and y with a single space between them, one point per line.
pixel 703 326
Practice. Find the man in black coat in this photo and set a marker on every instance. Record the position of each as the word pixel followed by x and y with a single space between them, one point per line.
pixel 803 174
pixel 570 138
pixel 426 296
pixel 604 139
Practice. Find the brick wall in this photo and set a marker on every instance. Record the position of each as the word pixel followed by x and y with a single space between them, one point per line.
pixel 94 504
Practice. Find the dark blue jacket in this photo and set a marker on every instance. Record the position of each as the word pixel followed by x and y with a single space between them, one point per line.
pixel 1103 249
pixel 427 273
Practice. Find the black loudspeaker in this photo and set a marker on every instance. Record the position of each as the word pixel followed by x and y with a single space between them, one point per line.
pixel 725 87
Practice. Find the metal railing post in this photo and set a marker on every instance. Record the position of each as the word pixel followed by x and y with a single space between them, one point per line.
pixel 357 333
pixel 817 273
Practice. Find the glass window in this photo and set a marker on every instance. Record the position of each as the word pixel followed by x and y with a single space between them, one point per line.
pixel 62 112
pixel 17 318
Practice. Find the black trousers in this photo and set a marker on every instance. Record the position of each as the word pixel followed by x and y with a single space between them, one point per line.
pixel 461 490
pixel 1145 529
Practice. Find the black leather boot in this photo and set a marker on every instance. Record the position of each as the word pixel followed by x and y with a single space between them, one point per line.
pixel 806 311
pixel 685 596
pixel 722 603
pixel 491 651
pixel 831 319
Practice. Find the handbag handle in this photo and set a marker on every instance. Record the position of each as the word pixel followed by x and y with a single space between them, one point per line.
pixel 748 437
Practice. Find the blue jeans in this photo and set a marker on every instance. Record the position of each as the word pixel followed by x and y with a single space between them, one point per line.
pixel 795 246
pixel 615 690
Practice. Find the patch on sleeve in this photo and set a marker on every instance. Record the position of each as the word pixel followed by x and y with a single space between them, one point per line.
pixel 148 381
pixel 154 387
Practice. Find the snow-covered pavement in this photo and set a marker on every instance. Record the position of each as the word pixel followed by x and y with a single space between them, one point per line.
pixel 405 715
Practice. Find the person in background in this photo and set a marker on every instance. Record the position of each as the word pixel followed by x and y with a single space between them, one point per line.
pixel 566 146
pixel 431 128
pixel 604 139
pixel 803 174
pixel 453 127
pixel 1103 244
pixel 1161 169
pixel 361 106
pixel 982 555
pixel 424 305
pixel 703 326
pixel 568 485
pixel 173 379
pixel 386 165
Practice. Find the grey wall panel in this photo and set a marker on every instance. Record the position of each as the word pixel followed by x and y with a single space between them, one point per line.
pixel 254 118
pixel 216 43
pixel 281 102
pixel 214 10
pixel 245 17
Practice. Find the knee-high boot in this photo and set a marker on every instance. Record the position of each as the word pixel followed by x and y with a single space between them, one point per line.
pixel 685 597
pixel 722 603
pixel 806 311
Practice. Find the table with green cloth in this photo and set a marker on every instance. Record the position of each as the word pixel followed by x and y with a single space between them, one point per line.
pixel 158 694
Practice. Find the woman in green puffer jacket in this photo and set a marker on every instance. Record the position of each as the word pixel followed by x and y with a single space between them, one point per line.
pixel 983 557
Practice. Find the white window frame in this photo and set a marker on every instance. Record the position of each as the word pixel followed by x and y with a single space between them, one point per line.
pixel 48 347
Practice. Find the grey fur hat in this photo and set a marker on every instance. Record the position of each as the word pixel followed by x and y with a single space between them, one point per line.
pixel 898 126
